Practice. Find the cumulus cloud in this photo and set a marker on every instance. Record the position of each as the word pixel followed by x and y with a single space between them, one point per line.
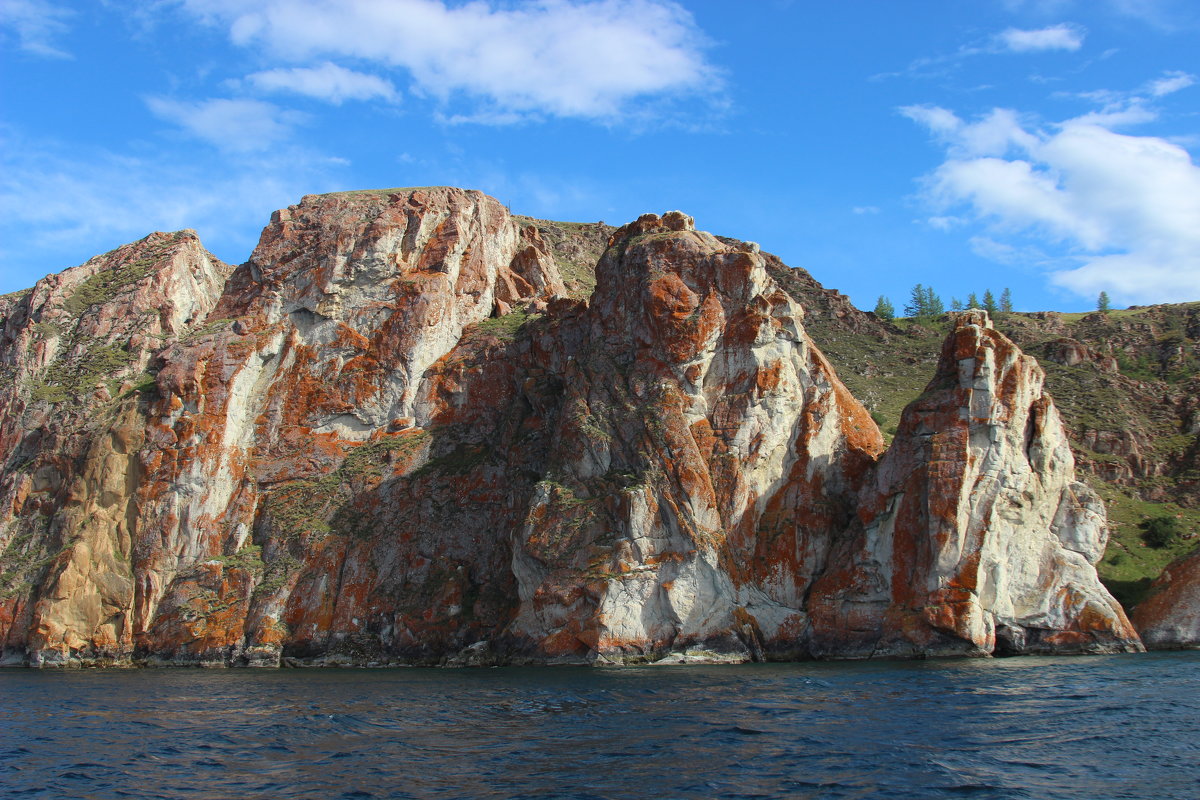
pixel 325 82
pixel 1056 37
pixel 569 58
pixel 1123 209
pixel 36 24
pixel 237 125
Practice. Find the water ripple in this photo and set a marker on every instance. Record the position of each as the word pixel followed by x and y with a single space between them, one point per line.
pixel 1040 728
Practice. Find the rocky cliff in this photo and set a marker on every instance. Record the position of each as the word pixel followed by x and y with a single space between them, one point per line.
pixel 1169 617
pixel 408 430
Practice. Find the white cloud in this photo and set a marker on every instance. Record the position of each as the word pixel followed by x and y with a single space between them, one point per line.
pixel 569 58
pixel 994 135
pixel 59 206
pixel 1012 40
pixel 866 209
pixel 1055 37
pixel 1171 82
pixel 1118 109
pixel 36 23
pixel 1123 208
pixel 239 126
pixel 1121 114
pixel 325 82
pixel 945 223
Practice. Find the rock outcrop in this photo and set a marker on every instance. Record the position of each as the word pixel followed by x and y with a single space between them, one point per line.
pixel 398 435
pixel 976 537
pixel 1169 617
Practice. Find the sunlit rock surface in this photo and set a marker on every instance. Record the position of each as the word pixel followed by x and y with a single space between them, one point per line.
pixel 394 436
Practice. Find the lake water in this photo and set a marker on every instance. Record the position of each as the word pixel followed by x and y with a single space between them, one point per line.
pixel 1086 727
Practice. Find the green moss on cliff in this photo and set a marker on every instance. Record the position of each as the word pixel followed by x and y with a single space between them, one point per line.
pixel 507 327
pixel 108 283
pixel 24 559
pixel 576 248
pixel 249 559
pixel 311 506
pixel 46 329
pixel 74 378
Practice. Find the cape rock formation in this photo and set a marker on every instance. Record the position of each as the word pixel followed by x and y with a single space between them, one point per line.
pixel 392 436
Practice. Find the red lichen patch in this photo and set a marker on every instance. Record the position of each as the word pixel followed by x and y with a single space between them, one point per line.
pixel 766 379
pixel 571 640
pixel 1170 614
pixel 670 297
pixel 744 326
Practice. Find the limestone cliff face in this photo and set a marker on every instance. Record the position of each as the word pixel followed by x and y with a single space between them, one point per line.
pixel 1169 617
pixel 393 437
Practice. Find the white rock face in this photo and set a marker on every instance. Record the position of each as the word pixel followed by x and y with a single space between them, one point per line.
pixel 977 530
pixel 670 465
pixel 325 337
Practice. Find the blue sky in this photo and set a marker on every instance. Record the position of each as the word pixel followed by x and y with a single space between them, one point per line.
pixel 1048 146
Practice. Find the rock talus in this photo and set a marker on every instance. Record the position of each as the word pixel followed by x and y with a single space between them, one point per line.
pixel 392 436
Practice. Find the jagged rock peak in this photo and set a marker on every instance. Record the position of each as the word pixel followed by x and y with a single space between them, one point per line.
pixel 988 540
pixel 671 221
pixel 971 316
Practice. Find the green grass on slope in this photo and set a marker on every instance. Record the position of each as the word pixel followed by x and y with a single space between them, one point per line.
pixel 1129 565
pixel 884 376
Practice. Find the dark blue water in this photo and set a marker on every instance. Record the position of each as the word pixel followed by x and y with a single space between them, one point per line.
pixel 1107 727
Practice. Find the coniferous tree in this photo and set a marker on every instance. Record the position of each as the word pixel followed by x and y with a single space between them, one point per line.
pixel 884 308
pixel 1102 303
pixel 956 304
pixel 972 300
pixel 916 302
pixel 989 303
pixel 1006 301
pixel 933 304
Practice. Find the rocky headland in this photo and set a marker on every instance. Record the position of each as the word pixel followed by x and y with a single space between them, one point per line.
pixel 415 429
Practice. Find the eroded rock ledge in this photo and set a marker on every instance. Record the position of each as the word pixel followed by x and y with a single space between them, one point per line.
pixel 393 437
